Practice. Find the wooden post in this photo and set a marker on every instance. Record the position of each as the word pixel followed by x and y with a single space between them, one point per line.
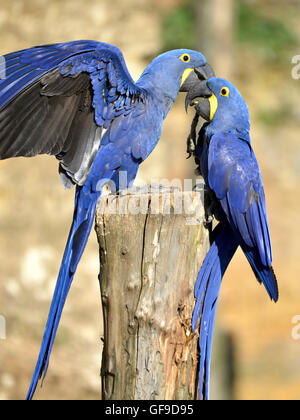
pixel 149 260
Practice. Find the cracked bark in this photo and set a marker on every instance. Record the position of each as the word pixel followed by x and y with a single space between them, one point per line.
pixel 149 263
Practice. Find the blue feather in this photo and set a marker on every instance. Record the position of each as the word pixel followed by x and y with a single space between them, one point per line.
pixel 209 280
pixel 132 113
pixel 82 222
pixel 244 208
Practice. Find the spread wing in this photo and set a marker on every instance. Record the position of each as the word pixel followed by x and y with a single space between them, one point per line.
pixel 234 176
pixel 59 99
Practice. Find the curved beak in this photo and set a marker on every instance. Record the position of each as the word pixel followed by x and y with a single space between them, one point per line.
pixel 203 99
pixel 191 77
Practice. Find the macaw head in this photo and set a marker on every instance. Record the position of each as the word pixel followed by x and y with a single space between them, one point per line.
pixel 175 70
pixel 220 102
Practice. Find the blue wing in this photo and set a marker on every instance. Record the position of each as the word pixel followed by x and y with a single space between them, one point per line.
pixel 207 290
pixel 76 101
pixel 234 176
pixel 56 99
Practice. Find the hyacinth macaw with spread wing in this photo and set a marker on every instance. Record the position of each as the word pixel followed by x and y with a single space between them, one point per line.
pixel 77 101
pixel 230 170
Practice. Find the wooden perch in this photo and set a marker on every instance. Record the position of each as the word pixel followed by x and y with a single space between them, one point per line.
pixel 150 258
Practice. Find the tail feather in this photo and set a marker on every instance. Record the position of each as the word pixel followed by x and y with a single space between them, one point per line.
pixel 207 290
pixel 208 286
pixel 201 284
pixel 206 330
pixel 79 233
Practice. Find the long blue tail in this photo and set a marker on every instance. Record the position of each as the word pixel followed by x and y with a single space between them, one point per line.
pixel 206 292
pixel 85 205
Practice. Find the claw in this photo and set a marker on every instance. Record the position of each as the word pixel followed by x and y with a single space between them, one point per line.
pixel 208 220
pixel 190 146
pixel 199 187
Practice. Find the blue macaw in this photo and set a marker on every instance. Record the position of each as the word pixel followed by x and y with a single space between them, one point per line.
pixel 77 101
pixel 231 174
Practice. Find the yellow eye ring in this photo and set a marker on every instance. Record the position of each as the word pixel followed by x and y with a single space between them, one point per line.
pixel 185 58
pixel 224 91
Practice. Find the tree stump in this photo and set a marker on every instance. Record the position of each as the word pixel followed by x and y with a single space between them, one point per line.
pixel 151 250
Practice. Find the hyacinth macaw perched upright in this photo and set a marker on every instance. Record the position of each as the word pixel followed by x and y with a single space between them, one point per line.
pixel 77 101
pixel 230 170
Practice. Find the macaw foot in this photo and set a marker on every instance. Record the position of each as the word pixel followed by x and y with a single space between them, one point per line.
pixel 199 187
pixel 208 220
pixel 190 146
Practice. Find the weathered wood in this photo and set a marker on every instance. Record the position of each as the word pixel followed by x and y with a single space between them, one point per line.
pixel 149 263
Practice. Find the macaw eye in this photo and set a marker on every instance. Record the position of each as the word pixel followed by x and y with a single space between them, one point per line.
pixel 224 91
pixel 185 58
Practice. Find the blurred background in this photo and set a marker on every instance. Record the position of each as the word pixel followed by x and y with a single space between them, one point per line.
pixel 250 42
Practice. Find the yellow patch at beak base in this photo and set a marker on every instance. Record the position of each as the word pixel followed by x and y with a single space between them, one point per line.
pixel 185 75
pixel 213 101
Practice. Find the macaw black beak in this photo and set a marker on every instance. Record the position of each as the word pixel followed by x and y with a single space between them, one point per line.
pixel 200 73
pixel 198 96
